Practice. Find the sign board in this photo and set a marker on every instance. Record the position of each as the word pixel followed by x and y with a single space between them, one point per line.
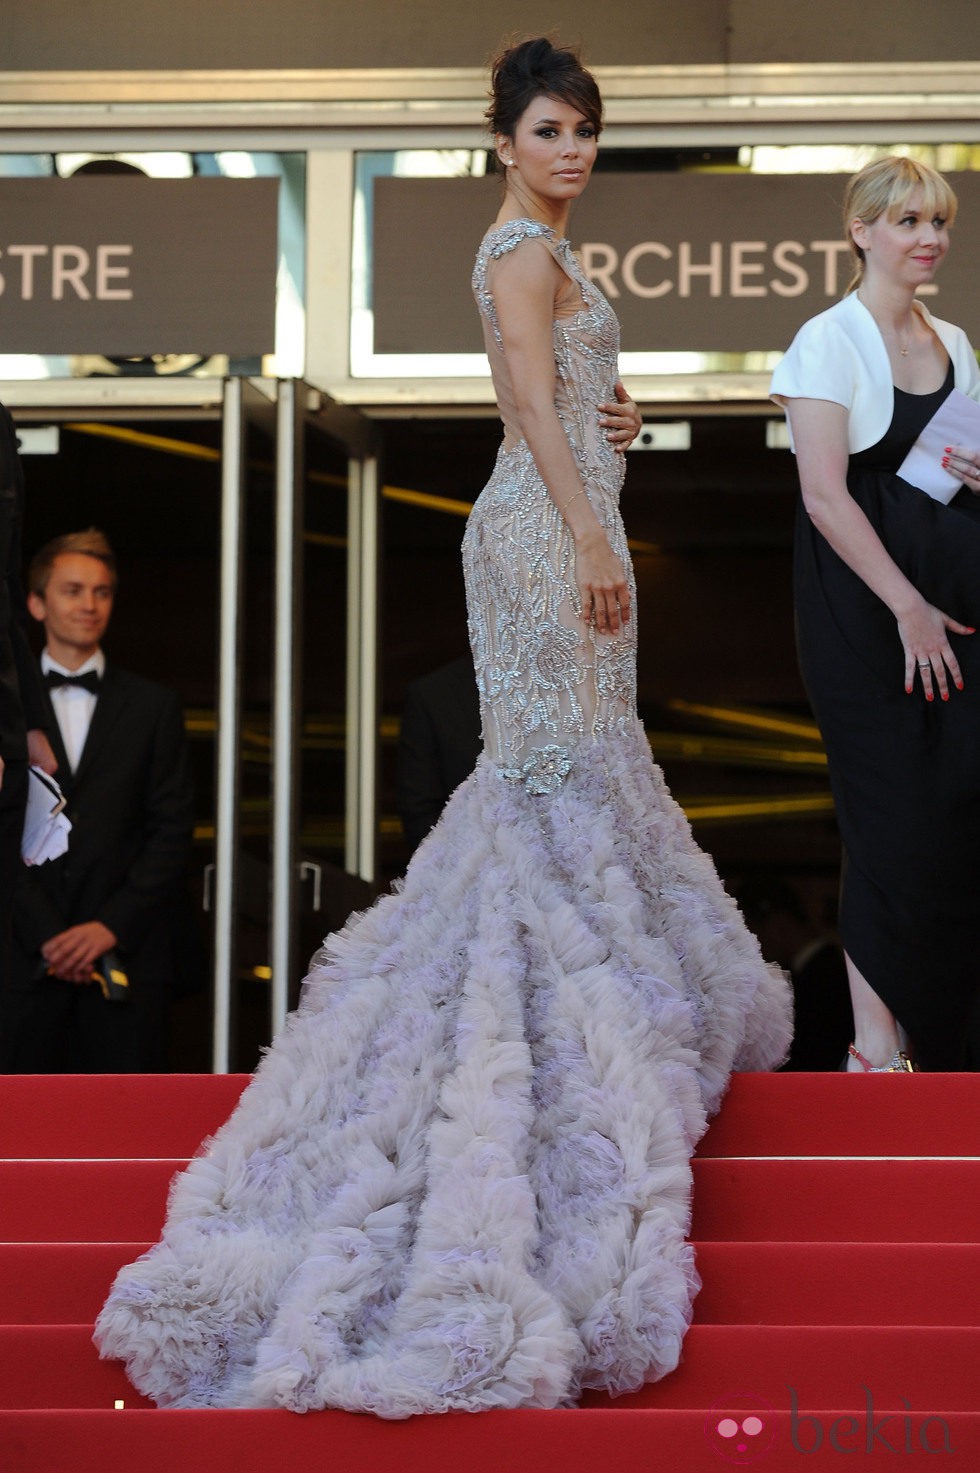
pixel 124 266
pixel 705 263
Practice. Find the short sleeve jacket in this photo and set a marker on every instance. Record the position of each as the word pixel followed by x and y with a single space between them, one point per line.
pixel 840 355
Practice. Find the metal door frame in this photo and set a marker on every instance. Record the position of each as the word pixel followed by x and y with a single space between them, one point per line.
pixel 297 405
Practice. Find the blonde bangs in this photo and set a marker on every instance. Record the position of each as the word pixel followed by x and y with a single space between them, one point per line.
pixel 884 188
pixel 938 199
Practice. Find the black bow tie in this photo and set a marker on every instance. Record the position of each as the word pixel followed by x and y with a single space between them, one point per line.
pixel 88 681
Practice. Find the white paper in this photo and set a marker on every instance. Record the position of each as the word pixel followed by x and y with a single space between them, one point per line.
pixel 955 422
pixel 46 828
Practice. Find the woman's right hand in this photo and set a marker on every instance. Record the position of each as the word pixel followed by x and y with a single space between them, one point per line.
pixel 923 632
pixel 601 581
pixel 964 462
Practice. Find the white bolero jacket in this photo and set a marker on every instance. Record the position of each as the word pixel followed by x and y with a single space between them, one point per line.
pixel 840 355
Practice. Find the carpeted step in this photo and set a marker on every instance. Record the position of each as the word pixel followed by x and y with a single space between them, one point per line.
pixel 776 1201
pixel 838 1283
pixel 59 1283
pixel 58 1366
pixel 933 1369
pixel 743 1283
pixel 827 1200
pixel 494 1442
pixel 83 1201
pixel 790 1249
pixel 113 1114
pixel 847 1115
pixel 763 1115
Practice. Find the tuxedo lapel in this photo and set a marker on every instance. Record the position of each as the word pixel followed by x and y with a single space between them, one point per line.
pixel 108 708
pixel 64 777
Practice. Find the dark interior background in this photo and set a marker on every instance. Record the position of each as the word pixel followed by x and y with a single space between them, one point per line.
pixel 714 609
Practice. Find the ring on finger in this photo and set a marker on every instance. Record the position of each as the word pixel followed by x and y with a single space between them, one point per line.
pixel 925 664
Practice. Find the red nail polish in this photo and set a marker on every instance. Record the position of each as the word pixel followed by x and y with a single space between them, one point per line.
pixel 929 695
pixel 949 449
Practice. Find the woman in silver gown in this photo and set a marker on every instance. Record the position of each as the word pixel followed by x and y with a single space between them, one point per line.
pixel 461 1176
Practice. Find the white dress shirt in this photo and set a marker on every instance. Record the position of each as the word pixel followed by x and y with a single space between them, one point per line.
pixel 73 706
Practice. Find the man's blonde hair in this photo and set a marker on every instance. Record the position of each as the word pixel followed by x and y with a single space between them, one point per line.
pixel 91 543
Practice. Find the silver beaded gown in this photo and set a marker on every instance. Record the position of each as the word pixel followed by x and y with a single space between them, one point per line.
pixel 460 1178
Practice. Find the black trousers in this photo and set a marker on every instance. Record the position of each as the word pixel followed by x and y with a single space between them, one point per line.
pixel 55 1027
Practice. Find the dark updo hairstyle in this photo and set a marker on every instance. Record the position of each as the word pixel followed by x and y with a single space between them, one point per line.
pixel 534 69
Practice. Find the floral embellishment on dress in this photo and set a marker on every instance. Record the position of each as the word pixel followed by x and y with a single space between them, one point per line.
pixel 543 772
pixel 556 656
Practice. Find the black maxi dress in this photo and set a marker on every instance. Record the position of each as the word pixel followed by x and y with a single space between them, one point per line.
pixel 905 772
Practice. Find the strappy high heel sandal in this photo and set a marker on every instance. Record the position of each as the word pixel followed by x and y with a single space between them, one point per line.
pixel 899 1063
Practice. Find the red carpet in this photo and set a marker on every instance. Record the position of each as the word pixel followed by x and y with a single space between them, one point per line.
pixel 837 1229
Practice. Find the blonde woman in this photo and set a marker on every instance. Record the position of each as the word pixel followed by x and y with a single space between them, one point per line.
pixel 887 585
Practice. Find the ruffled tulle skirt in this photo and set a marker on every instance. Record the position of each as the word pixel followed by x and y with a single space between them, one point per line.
pixel 461 1176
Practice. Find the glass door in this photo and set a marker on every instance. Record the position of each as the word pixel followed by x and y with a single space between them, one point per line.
pixel 298 725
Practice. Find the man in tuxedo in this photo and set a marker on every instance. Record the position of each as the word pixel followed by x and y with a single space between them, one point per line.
pixel 22 713
pixel 112 903
pixel 439 743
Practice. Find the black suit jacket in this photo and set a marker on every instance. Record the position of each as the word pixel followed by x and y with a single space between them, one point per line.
pixel 439 743
pixel 130 802
pixel 21 705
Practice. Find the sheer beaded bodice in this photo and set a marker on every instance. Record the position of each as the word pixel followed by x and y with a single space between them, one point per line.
pixel 546 681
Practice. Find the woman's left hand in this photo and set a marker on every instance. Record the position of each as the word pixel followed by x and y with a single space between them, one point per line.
pixel 621 420
pixel 961 461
